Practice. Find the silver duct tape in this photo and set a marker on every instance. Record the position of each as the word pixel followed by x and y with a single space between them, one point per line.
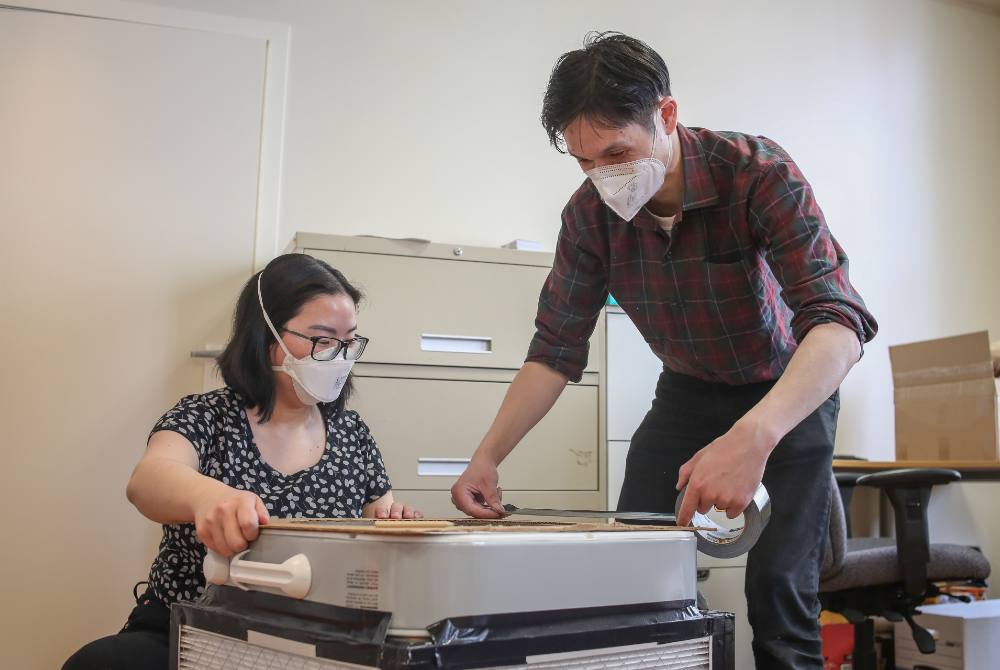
pixel 730 543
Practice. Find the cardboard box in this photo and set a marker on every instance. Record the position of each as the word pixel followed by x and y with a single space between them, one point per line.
pixel 946 400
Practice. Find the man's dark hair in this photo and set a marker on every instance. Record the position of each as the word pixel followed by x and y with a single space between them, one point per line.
pixel 289 282
pixel 614 80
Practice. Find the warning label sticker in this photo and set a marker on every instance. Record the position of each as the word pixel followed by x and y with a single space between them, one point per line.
pixel 362 589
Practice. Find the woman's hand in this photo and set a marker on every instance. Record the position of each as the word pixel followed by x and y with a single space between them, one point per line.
pixel 226 519
pixel 399 511
pixel 387 508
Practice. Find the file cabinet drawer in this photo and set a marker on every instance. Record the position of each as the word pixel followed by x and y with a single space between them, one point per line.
pixel 427 429
pixel 432 311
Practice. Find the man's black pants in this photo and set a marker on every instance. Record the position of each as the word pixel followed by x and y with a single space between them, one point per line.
pixel 782 575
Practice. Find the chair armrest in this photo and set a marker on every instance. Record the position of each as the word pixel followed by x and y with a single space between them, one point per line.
pixel 847 478
pixel 909 478
pixel 909 491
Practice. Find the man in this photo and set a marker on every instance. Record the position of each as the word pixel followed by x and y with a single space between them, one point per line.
pixel 714 246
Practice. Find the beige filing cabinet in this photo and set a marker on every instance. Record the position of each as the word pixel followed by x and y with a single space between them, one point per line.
pixel 632 370
pixel 449 328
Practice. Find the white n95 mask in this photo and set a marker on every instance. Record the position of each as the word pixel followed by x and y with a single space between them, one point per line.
pixel 627 187
pixel 314 381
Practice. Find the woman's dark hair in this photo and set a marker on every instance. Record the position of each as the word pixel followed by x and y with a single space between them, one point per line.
pixel 614 80
pixel 289 282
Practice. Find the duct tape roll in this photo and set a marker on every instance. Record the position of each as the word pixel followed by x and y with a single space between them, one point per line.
pixel 731 542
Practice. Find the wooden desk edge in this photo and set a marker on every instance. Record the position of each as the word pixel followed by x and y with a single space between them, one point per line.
pixel 968 469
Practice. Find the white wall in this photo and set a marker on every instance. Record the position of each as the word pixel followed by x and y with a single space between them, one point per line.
pixel 421 119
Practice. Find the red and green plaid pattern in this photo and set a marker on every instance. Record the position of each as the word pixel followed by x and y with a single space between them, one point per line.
pixel 749 267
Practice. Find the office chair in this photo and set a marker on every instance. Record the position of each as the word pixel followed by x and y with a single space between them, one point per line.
pixel 865 577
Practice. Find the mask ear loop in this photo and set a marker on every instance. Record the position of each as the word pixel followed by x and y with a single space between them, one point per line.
pixel 652 149
pixel 670 146
pixel 260 299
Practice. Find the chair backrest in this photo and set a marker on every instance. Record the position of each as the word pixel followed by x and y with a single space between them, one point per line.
pixel 836 539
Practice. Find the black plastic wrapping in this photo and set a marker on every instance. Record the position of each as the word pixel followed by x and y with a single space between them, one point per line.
pixel 360 636
pixel 507 639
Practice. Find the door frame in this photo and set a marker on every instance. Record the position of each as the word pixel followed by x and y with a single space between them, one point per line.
pixel 277 37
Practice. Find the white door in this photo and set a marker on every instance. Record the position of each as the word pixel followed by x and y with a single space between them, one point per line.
pixel 129 162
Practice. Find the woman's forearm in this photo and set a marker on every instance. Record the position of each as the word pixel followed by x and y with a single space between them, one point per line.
pixel 167 491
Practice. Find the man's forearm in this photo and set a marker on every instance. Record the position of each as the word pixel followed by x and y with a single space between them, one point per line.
pixel 535 388
pixel 816 370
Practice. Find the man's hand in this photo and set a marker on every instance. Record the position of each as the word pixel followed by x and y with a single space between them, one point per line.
pixel 725 474
pixel 478 484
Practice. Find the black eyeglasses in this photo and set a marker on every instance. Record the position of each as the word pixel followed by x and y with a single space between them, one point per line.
pixel 328 348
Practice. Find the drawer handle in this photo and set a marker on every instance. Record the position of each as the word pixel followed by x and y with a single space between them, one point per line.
pixel 458 344
pixel 441 467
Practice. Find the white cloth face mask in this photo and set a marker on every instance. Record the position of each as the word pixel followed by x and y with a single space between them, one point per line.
pixel 314 381
pixel 627 187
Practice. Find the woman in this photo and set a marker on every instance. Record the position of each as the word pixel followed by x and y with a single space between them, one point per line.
pixel 276 439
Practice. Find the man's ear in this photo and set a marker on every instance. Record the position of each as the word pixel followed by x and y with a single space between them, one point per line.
pixel 668 112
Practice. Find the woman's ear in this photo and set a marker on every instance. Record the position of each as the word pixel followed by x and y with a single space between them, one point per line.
pixel 275 354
